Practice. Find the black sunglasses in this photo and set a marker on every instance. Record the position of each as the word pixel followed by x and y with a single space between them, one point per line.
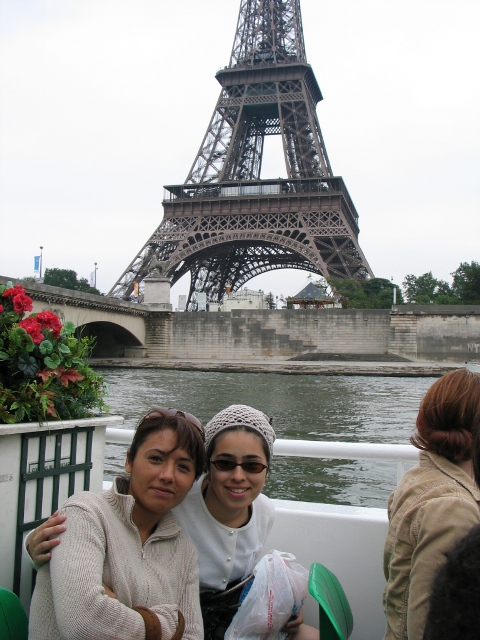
pixel 164 412
pixel 230 465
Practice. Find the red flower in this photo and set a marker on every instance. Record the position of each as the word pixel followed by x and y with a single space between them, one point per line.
pixel 13 291
pixel 22 303
pixel 33 328
pixel 1 308
pixel 51 321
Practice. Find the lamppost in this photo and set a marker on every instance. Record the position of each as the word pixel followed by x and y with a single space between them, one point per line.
pixel 41 261
pixel 95 276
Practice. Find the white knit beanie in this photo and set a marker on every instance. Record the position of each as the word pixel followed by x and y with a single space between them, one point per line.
pixel 240 415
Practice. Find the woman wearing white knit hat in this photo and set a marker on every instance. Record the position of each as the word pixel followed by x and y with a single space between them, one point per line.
pixel 226 515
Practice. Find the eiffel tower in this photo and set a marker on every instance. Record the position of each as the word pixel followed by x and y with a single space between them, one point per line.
pixel 225 225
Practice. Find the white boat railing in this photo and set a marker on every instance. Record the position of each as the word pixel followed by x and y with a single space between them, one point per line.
pixel 401 454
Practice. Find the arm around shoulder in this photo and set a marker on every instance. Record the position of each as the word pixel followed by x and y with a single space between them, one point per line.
pixel 38 543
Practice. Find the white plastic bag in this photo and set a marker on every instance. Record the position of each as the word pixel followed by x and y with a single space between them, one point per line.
pixel 278 592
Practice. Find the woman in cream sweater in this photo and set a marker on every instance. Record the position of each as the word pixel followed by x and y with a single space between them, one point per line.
pixel 124 568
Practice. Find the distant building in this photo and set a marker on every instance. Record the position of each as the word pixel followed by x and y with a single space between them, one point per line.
pixel 244 299
pixel 311 297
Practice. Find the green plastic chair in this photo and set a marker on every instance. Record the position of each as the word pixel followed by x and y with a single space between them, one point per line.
pixel 13 619
pixel 336 620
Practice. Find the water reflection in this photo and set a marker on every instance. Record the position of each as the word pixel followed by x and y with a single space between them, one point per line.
pixel 344 408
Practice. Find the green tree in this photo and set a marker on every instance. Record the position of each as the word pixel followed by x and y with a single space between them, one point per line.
pixel 270 300
pixel 350 292
pixel 84 285
pixel 444 294
pixel 376 293
pixel 67 278
pixel 379 292
pixel 466 283
pixel 425 289
pixel 420 289
pixel 322 285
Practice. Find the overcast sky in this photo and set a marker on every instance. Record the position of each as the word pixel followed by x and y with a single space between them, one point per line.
pixel 102 102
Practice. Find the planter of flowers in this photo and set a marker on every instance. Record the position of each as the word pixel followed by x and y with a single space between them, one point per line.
pixel 53 419
pixel 44 371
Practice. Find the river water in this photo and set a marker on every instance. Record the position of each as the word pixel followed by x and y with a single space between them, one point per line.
pixel 305 407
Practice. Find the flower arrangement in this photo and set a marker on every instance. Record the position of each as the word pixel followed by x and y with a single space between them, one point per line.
pixel 44 373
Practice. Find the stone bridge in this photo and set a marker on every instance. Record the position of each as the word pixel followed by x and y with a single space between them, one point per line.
pixel 122 329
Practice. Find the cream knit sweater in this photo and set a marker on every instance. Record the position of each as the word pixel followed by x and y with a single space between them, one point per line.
pixel 102 545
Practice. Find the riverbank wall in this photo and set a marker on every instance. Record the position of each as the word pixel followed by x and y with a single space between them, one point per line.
pixel 338 367
pixel 411 332
pixel 258 334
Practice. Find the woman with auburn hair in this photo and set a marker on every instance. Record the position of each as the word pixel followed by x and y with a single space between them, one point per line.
pixel 435 504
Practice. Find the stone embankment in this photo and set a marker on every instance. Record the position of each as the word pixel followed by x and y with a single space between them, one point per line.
pixel 331 367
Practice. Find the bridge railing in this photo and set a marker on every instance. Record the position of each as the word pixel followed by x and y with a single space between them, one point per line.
pixel 401 454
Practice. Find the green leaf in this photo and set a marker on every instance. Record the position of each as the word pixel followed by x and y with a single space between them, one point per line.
pixel 45 347
pixel 68 328
pixel 20 339
pixel 27 365
pixel 4 355
pixel 19 414
pixel 9 317
pixel 63 348
pixel 52 361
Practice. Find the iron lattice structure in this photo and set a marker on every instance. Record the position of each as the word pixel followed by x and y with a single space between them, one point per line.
pixel 225 225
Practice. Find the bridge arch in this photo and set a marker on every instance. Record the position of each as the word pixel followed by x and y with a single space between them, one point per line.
pixel 111 340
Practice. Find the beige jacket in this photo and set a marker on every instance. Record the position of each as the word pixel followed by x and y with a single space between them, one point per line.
pixel 102 545
pixel 435 504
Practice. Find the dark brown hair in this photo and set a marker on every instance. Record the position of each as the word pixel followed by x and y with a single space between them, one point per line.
pixel 449 416
pixel 189 437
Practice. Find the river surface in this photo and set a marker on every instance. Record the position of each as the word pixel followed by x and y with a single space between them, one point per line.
pixel 338 408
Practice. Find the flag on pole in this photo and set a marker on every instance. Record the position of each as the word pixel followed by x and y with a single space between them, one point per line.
pixel 36 264
pixel 92 278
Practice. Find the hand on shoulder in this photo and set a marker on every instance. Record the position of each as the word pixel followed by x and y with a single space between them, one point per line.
pixel 41 540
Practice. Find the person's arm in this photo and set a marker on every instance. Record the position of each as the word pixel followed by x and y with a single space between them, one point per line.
pixel 82 607
pixel 39 542
pixel 438 525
